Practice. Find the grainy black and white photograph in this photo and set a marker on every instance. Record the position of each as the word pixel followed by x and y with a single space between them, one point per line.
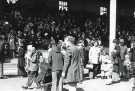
pixel 67 45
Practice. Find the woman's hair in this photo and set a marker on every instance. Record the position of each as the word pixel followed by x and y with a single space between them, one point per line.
pixel 70 39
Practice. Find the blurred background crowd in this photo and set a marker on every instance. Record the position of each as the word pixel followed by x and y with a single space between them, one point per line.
pixel 41 31
pixel 17 30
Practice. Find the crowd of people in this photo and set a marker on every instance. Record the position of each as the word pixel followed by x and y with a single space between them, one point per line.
pixel 65 67
pixel 22 37
pixel 41 31
pixel 67 63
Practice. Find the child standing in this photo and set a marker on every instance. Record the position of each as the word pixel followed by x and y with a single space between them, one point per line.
pixel 106 65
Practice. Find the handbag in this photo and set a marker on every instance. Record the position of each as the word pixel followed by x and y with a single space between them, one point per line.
pixel 89 66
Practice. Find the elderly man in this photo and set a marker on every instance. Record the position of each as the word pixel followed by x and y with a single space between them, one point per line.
pixel 71 70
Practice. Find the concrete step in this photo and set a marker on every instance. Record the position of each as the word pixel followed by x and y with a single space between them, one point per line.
pixel 10 68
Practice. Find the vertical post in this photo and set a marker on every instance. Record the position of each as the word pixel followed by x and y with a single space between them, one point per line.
pixel 112 24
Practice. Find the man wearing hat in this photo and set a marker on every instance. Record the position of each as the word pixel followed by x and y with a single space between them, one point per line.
pixel 123 50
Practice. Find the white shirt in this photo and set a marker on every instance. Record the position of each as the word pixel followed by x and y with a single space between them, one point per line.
pixel 94 54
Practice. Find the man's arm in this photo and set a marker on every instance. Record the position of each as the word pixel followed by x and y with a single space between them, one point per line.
pixel 90 51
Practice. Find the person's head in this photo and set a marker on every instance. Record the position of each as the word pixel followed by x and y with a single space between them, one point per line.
pixel 60 42
pixel 115 42
pixel 121 41
pixel 80 44
pixel 103 52
pixel 99 42
pixel 64 45
pixel 132 44
pixel 69 41
pixel 96 43
pixel 33 48
pixel 29 50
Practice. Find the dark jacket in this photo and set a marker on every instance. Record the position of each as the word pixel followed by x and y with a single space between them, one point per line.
pixel 72 64
pixel 132 54
pixel 123 50
pixel 56 59
pixel 115 58
pixel 21 59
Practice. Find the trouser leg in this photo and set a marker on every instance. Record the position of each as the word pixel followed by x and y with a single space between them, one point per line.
pixel 72 87
pixel 40 79
pixel 115 73
pixel 60 85
pixel 91 72
pixel 121 69
pixel 38 83
pixel 31 77
pixel 59 81
pixel 95 69
pixel 54 81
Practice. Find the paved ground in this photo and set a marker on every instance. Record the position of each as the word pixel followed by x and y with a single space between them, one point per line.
pixel 15 83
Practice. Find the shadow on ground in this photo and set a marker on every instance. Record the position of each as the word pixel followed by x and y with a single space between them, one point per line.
pixel 11 76
pixel 64 89
pixel 78 89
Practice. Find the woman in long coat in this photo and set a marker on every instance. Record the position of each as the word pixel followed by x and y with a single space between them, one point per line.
pixel 71 69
